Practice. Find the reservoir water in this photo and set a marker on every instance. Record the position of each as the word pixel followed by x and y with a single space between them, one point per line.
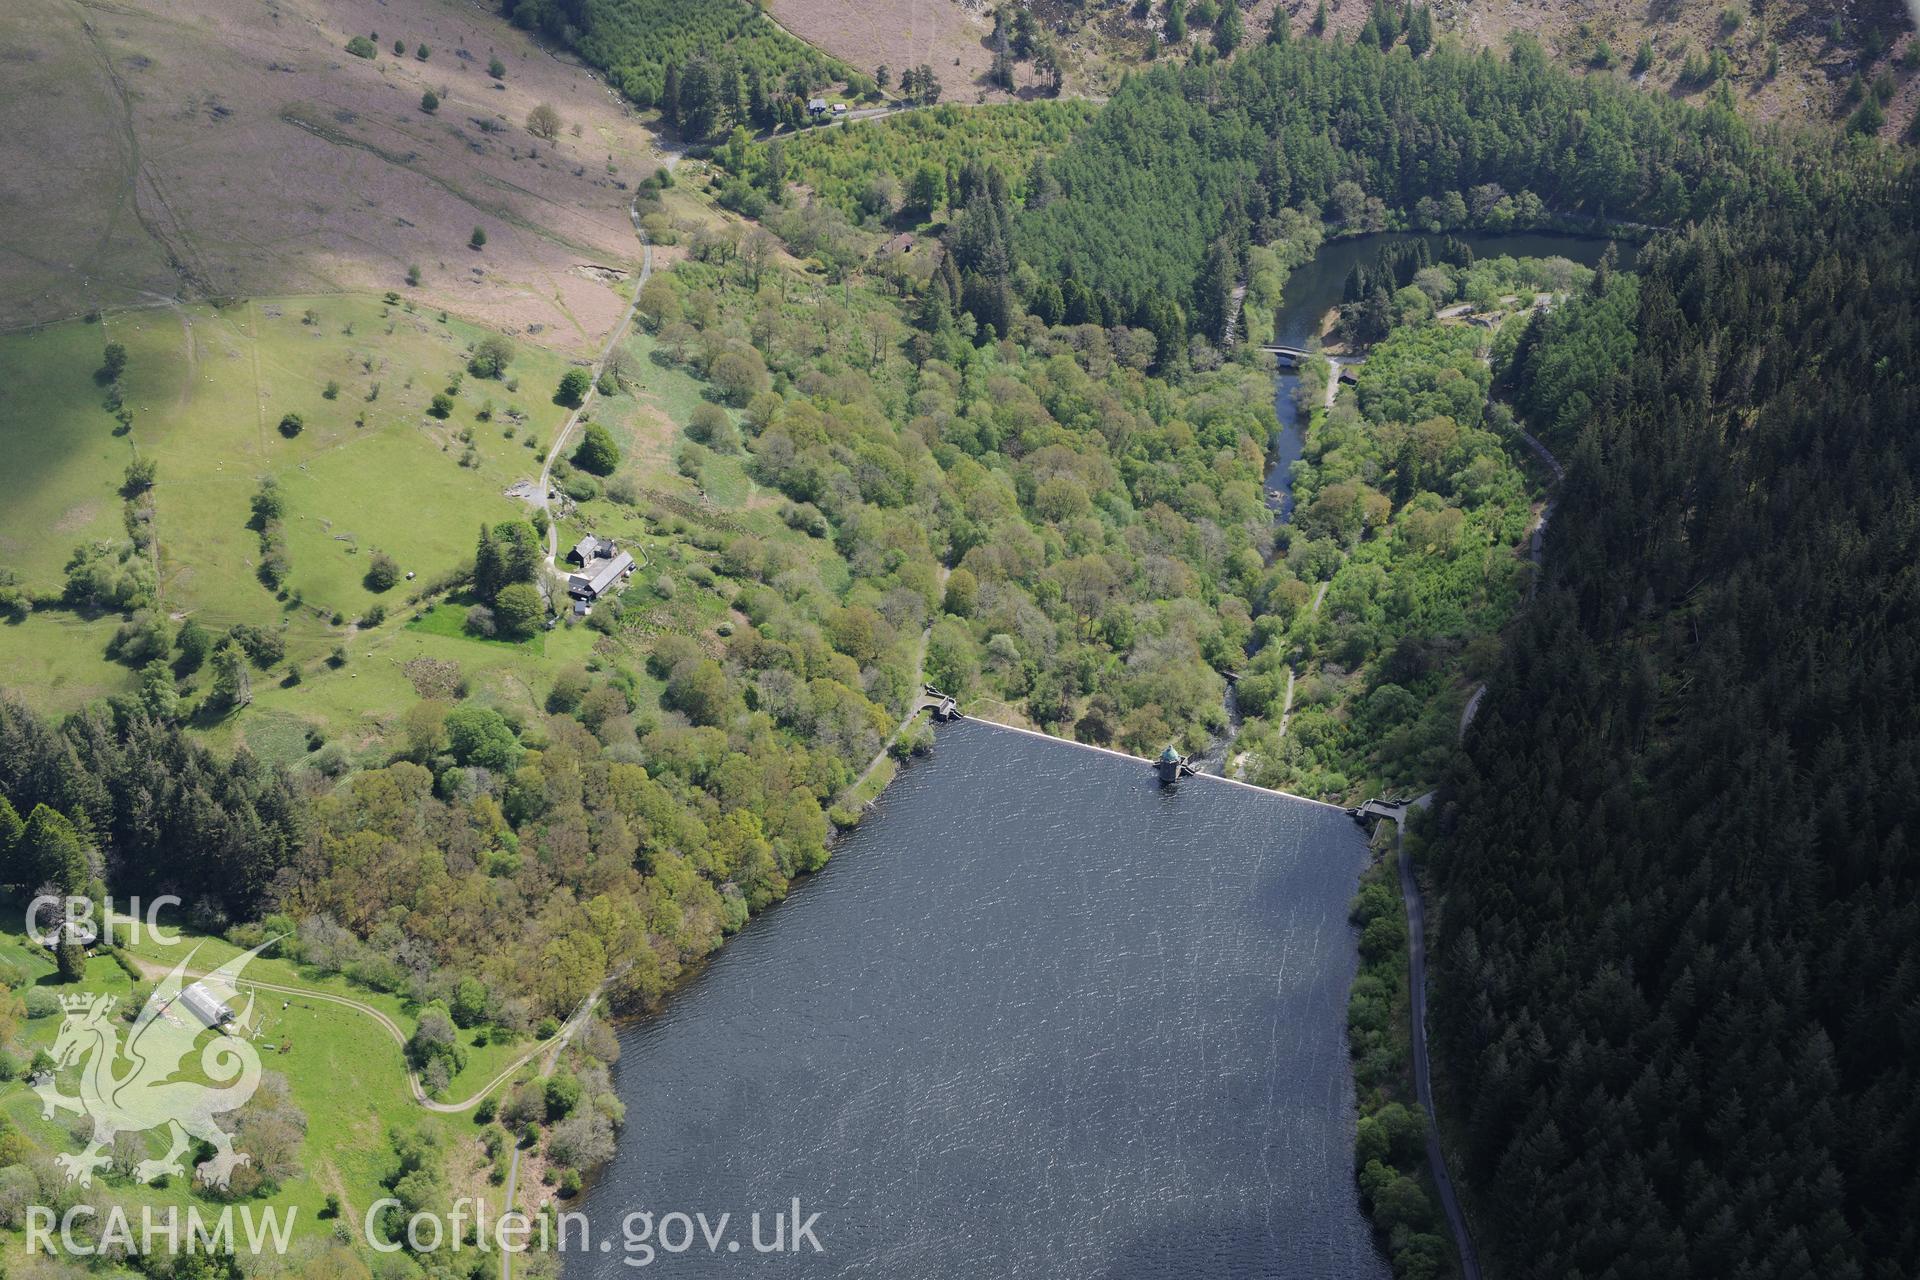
pixel 1038 1017
pixel 1316 287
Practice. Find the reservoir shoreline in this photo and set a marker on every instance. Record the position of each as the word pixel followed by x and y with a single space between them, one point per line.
pixel 1038 1015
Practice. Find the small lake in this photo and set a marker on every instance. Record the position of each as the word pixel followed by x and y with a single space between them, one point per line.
pixel 1038 1017
pixel 1317 287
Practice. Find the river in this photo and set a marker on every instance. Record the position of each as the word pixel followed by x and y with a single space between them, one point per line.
pixel 1316 288
pixel 1038 1017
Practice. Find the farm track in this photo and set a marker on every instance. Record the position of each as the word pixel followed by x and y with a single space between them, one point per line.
pixel 542 496
pixel 550 1047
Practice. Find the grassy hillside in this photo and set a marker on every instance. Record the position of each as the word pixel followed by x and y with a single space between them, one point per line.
pixel 372 468
pixel 241 150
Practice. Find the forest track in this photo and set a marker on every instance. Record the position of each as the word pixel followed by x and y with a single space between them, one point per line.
pixel 1422 1070
pixel 1472 708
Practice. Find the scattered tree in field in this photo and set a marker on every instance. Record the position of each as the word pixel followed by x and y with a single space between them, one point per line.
pixel 433 1038
pixel 139 477
pixel 573 388
pixel 193 643
pixel 712 427
pixel 232 681
pixel 544 122
pixel 442 406
pixel 740 375
pixel 430 103
pixel 291 424
pixel 496 68
pixel 158 692
pixel 71 959
pixel 470 1001
pixel 382 572
pixel 422 53
pixel 478 240
pixel 491 356
pixel 597 452
pixel 506 553
pixel 113 362
pixel 263 647
pixel 361 47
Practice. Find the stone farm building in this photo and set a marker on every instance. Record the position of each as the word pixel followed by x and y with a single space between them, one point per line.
pixel 603 567
pixel 589 549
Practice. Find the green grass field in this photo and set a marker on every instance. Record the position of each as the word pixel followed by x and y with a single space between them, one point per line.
pixel 450 619
pixel 372 469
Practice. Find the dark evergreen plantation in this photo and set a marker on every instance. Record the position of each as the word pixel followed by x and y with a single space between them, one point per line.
pixel 173 816
pixel 1161 194
pixel 1678 993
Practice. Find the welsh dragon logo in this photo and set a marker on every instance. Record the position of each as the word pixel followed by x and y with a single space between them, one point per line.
pixel 134 1089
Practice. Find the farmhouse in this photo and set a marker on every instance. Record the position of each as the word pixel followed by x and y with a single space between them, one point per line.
pixel 816 106
pixel 206 1007
pixel 589 549
pixel 603 567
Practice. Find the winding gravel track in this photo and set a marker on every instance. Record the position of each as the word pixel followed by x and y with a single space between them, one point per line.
pixel 541 497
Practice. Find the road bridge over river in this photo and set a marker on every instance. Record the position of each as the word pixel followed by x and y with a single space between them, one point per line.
pixel 1292 357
